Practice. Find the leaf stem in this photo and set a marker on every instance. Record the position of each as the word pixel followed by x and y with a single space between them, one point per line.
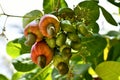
pixel 58 5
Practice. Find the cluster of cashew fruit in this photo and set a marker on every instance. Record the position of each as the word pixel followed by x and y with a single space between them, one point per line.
pixel 52 39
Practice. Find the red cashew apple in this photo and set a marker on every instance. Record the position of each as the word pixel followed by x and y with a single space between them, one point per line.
pixel 41 54
pixel 49 25
pixel 32 33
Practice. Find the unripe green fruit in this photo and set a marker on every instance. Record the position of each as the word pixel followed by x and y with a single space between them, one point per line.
pixel 61 39
pixel 58 58
pixel 67 26
pixel 61 64
pixel 66 12
pixel 82 29
pixel 65 51
pixel 51 42
pixel 76 45
pixel 73 36
pixel 63 68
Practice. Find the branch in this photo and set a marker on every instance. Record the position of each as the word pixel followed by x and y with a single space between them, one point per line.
pixel 11 15
pixel 8 15
pixel 3 13
pixel 2 8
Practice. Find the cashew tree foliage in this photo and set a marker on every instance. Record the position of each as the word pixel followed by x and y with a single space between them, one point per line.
pixel 60 43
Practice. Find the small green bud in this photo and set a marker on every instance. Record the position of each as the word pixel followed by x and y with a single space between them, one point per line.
pixel 67 26
pixel 51 42
pixel 61 39
pixel 65 51
pixel 58 58
pixel 62 68
pixel 73 36
pixel 76 45
pixel 83 30
pixel 66 12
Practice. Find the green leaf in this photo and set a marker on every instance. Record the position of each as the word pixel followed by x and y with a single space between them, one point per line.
pixel 119 10
pixel 89 48
pixel 63 4
pixel 55 74
pixel 28 76
pixel 86 12
pixel 37 74
pixel 80 72
pixel 16 47
pixel 118 59
pixel 92 49
pixel 109 70
pixel 30 16
pixel 86 76
pixel 2 77
pixel 80 69
pixel 108 17
pixel 16 76
pixel 93 27
pixel 13 48
pixel 24 48
pixel 76 58
pixel 113 33
pixel 23 63
pixel 53 5
pixel 114 3
pixel 41 74
pixel 114 52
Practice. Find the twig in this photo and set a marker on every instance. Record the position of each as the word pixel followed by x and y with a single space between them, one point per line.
pixel 5 23
pixel 3 13
pixel 8 15
pixel 2 8
pixel 3 30
pixel 11 15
